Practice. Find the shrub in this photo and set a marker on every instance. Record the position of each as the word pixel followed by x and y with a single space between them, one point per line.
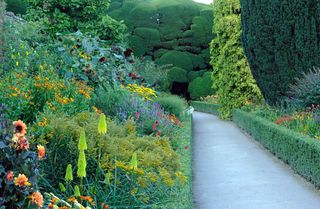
pixel 302 153
pixel 231 73
pixel 280 40
pixel 84 15
pixel 17 6
pixel 177 59
pixel 206 107
pixel 201 86
pixel 172 104
pixel 111 99
pixel 177 74
pixel 307 88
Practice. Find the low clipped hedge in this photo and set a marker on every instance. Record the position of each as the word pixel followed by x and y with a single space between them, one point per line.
pixel 205 107
pixel 302 153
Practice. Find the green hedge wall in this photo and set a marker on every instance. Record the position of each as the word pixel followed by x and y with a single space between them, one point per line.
pixel 281 40
pixel 300 152
pixel 205 107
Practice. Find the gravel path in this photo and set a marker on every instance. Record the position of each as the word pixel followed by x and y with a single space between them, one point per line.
pixel 232 171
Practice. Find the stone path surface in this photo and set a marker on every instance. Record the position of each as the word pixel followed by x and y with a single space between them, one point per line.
pixel 232 171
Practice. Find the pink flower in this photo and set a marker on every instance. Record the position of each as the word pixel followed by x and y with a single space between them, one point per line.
pixel 137 115
pixel 155 125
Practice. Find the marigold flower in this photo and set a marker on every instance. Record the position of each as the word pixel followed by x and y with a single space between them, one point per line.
pixel 37 198
pixel 21 180
pixel 10 176
pixel 20 127
pixel 41 152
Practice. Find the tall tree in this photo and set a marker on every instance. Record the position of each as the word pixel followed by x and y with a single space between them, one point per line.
pixel 231 73
pixel 281 40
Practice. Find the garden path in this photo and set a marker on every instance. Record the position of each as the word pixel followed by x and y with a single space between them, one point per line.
pixel 232 171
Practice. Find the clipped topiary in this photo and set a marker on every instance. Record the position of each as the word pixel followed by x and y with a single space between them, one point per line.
pixel 177 74
pixel 178 59
pixel 201 87
pixel 172 104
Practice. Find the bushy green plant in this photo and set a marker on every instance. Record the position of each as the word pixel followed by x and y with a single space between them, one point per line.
pixel 65 16
pixel 17 6
pixel 231 73
pixel 280 43
pixel 172 104
pixel 151 74
pixel 201 86
pixel 111 99
pixel 307 88
pixel 177 74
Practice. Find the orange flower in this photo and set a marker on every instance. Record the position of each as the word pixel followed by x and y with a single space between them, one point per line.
pixel 21 180
pixel 72 199
pixel 63 207
pixel 41 152
pixel 37 198
pixel 20 127
pixel 10 176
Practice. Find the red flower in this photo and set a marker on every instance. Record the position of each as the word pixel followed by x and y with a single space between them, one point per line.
pixel 158 133
pixel 128 52
pixel 137 115
pixel 186 147
pixel 155 125
pixel 10 176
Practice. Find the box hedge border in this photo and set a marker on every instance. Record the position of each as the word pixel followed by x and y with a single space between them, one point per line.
pixel 206 107
pixel 300 152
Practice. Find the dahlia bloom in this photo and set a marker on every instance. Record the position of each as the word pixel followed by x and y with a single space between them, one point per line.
pixel 41 152
pixel 37 198
pixel 20 127
pixel 21 180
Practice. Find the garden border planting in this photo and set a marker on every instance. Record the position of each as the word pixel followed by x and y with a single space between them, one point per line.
pixel 206 107
pixel 301 153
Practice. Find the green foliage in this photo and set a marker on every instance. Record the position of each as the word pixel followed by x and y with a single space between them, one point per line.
pixel 307 89
pixel 17 6
pixel 170 31
pixel 172 104
pixel 110 99
pixel 206 107
pixel 280 43
pixel 150 162
pixel 231 73
pixel 151 74
pixel 194 74
pixel 177 59
pixel 177 74
pixel 201 86
pixel 26 95
pixel 59 16
pixel 290 146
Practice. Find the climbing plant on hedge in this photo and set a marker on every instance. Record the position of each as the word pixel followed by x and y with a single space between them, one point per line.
pixel 71 16
pixel 281 40
pixel 231 73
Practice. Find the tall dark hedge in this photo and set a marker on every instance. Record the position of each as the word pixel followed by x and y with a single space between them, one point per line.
pixel 281 40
